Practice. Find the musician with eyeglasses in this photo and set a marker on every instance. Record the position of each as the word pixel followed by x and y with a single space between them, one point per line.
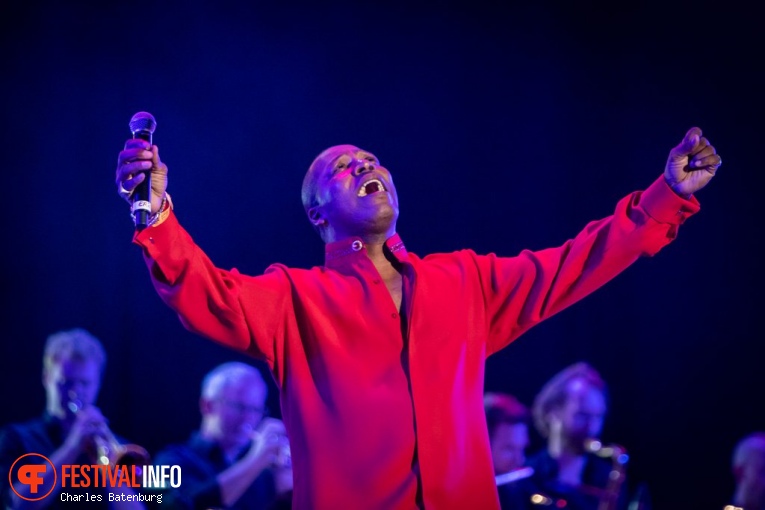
pixel 239 457
pixel 70 430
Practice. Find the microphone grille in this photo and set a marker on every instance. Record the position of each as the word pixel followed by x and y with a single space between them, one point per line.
pixel 143 121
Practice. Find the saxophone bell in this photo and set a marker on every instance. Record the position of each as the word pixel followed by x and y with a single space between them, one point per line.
pixel 609 496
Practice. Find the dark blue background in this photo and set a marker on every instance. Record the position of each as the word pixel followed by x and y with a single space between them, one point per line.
pixel 505 128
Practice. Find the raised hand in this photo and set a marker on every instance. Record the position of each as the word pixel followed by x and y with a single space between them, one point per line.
pixel 691 164
pixel 136 158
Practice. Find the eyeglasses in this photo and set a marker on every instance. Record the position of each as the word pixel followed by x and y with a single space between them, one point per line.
pixel 244 408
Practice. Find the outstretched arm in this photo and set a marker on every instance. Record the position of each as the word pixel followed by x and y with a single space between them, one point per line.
pixel 212 302
pixel 521 291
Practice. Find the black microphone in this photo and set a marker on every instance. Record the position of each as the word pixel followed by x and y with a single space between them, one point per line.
pixel 142 125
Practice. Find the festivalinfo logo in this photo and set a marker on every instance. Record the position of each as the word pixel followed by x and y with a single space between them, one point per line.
pixel 33 477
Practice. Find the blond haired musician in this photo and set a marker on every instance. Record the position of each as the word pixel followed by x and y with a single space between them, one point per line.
pixel 69 430
pixel 569 412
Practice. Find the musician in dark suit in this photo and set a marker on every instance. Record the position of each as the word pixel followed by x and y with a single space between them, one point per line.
pixel 508 420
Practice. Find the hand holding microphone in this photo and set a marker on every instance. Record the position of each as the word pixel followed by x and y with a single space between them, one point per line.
pixel 141 177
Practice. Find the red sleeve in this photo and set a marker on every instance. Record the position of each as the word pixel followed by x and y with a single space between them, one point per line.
pixel 521 291
pixel 242 312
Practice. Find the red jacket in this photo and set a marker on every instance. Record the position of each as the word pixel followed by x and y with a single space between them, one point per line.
pixel 369 407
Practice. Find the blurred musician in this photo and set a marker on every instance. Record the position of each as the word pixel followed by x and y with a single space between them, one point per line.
pixel 749 472
pixel 507 421
pixel 574 466
pixel 239 458
pixel 70 429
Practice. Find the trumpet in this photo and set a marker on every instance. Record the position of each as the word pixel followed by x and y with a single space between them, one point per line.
pixel 109 451
pixel 538 497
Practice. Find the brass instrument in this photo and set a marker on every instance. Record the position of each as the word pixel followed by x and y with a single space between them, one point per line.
pixel 514 475
pixel 608 497
pixel 537 498
pixel 618 454
pixel 109 451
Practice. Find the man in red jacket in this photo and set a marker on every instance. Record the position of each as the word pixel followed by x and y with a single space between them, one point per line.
pixel 379 354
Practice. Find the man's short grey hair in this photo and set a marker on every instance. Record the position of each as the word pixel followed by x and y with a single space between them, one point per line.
pixel 750 444
pixel 222 376
pixel 73 344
